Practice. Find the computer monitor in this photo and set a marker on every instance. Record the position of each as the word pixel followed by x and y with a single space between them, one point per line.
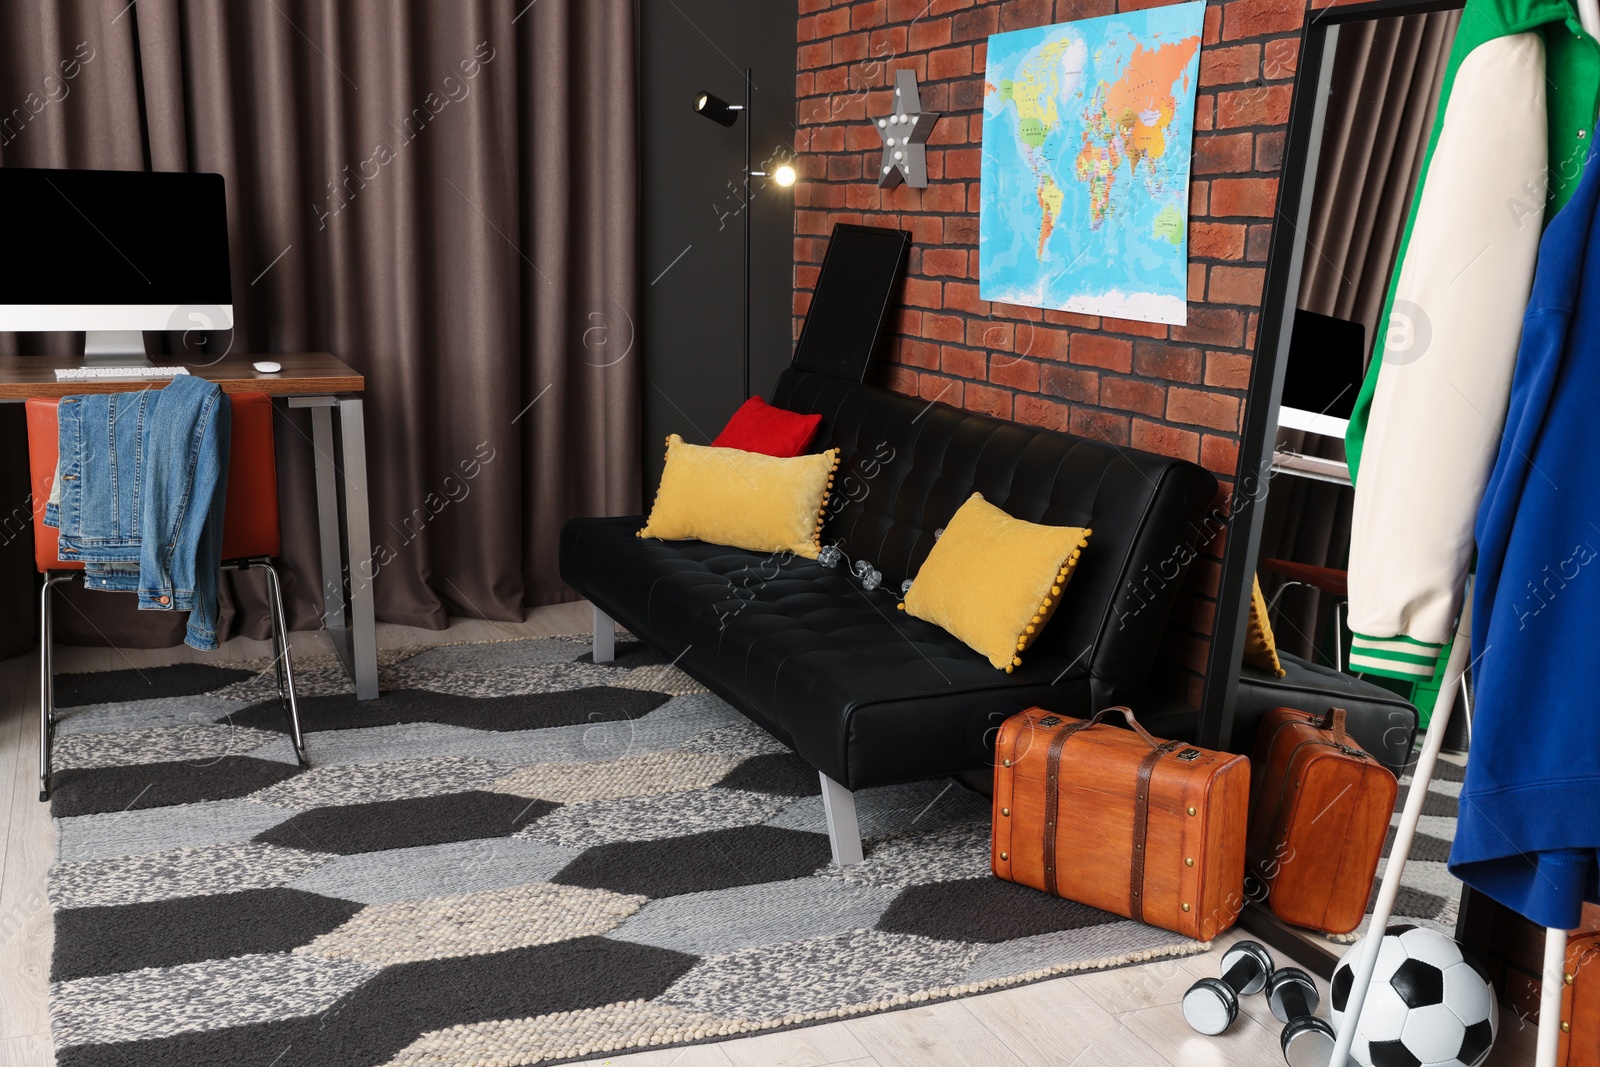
pixel 113 253
pixel 852 299
pixel 1327 360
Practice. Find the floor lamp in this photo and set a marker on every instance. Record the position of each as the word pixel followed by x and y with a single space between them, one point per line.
pixel 723 113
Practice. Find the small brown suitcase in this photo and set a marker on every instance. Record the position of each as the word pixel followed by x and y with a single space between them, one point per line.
pixel 1580 1003
pixel 1116 819
pixel 1319 813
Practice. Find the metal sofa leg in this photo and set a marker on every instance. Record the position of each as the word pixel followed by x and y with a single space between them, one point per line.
pixel 605 637
pixel 839 805
pixel 282 659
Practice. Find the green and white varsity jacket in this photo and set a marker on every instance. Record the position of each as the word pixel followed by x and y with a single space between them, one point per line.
pixel 1515 117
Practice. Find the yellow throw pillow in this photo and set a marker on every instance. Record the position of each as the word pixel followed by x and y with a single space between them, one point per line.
pixel 1260 648
pixel 994 581
pixel 742 499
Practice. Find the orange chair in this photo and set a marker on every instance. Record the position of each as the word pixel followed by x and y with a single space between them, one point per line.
pixel 250 538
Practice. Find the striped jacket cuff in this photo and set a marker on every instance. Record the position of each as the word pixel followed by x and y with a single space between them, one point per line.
pixel 1396 657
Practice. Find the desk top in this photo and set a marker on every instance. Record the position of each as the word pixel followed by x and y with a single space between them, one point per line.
pixel 22 377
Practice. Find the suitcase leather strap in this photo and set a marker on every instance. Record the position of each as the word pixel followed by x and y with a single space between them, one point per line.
pixel 1141 827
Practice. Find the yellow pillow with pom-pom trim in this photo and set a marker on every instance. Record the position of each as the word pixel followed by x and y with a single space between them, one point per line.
pixel 742 499
pixel 1260 649
pixel 994 581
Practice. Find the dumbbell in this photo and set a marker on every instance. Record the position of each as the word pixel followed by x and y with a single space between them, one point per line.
pixel 1211 1004
pixel 1307 1040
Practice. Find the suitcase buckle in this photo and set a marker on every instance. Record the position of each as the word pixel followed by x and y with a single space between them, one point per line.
pixel 1050 720
pixel 1189 755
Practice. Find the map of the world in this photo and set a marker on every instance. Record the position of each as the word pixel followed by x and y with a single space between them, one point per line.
pixel 1087 131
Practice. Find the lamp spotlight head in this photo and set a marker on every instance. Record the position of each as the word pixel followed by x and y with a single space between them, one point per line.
pixel 784 175
pixel 716 109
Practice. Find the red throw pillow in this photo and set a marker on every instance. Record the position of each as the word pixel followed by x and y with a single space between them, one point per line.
pixel 759 427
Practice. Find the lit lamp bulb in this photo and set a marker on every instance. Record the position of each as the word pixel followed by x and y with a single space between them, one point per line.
pixel 784 175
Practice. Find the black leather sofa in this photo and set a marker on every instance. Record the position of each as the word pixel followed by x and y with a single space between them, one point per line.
pixel 864 693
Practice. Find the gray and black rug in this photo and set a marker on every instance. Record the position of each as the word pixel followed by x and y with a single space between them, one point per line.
pixel 515 856
pixel 1429 894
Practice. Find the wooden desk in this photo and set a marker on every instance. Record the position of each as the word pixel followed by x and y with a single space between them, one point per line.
pixel 313 380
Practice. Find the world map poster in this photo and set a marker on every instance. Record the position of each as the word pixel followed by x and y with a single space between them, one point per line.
pixel 1087 131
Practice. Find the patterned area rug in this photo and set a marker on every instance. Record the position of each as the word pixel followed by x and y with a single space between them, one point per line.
pixel 1429 894
pixel 515 856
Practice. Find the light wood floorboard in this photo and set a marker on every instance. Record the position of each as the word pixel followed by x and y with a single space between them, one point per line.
pixel 1123 1018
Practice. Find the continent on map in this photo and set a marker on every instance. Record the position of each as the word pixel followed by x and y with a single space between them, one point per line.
pixel 1129 117
pixel 1036 91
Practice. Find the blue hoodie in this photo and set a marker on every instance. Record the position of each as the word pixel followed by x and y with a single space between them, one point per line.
pixel 1529 834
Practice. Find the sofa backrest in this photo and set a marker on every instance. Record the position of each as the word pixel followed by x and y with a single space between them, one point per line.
pixel 907 464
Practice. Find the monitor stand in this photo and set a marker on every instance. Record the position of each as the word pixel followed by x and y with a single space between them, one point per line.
pixel 115 348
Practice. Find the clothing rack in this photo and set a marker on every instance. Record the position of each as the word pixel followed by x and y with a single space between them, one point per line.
pixel 1555 941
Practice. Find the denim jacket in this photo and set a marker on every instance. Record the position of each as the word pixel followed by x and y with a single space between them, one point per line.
pixel 139 494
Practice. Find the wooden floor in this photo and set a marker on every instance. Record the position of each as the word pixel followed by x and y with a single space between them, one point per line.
pixel 1122 1018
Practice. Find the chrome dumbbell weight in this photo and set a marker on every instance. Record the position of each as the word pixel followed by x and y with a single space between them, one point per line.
pixel 1211 1004
pixel 1307 1040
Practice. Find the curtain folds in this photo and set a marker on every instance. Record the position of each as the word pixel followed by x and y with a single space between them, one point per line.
pixel 1387 77
pixel 441 193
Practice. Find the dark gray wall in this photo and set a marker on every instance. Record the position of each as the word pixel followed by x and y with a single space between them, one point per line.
pixel 690 336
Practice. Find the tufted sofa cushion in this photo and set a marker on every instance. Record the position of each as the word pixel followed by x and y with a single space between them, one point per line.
pixel 864 693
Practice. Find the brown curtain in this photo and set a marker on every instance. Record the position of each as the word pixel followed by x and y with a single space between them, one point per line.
pixel 1387 76
pixel 443 193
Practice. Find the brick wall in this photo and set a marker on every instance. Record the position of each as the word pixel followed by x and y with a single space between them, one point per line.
pixel 1178 391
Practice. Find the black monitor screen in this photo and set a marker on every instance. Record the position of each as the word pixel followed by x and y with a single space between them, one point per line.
pixel 1327 360
pixel 113 237
pixel 851 300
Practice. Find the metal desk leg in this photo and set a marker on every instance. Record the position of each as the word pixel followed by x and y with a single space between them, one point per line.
pixel 333 595
pixel 358 550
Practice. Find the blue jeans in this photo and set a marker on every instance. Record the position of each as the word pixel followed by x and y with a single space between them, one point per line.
pixel 142 481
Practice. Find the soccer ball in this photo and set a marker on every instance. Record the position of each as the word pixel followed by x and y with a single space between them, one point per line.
pixel 1429 1006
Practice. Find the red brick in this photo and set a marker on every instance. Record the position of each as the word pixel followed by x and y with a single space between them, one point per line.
pixel 1259 243
pixel 1174 363
pixel 1219 454
pixel 923 293
pixel 944 262
pixel 1024 14
pixel 1016 311
pixel 944 327
pixel 1099 425
pixel 867 13
pixel 1134 327
pixel 902 380
pixel 1205 110
pixel 962 362
pixel 1132 394
pixel 844 168
pixel 1262 105
pixel 961 231
pixel 976 24
pixel 1230 66
pixel 1199 198
pixel 1195 407
pixel 1036 411
pixel 1269 151
pixel 887 42
pixel 1069 318
pixel 1231 197
pixel 932 387
pixel 1212 31
pixel 907 321
pixel 965 163
pixel 947 199
pixel 922 354
pixel 812 56
pixel 1014 373
pixel 906 10
pixel 949 63
pixel 1219 327
pixel 1260 18
pixel 1073 10
pixel 989 400
pixel 1165 440
pixel 1237 285
pixel 1281 58
pixel 925 230
pixel 989 334
pixel 1222 153
pixel 1228 370
pixel 1197 283
pixel 834 22
pixel 928 35
pixel 1043 343
pixel 963 296
pixel 1097 350
pixel 1070 383
pixel 1216 240
pixel 850 49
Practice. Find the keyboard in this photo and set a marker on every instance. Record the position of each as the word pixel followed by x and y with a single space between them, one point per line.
pixel 80 374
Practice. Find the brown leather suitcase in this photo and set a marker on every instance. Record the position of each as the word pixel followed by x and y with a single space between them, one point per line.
pixel 1116 819
pixel 1580 1003
pixel 1319 813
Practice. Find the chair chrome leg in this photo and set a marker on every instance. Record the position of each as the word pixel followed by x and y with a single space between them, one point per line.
pixel 47 678
pixel 280 645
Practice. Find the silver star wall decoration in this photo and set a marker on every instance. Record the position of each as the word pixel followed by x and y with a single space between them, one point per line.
pixel 904 133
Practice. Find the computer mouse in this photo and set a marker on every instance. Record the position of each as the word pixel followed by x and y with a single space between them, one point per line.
pixel 266 366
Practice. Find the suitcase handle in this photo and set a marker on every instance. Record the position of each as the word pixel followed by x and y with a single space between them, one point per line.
pixel 1127 713
pixel 1334 720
